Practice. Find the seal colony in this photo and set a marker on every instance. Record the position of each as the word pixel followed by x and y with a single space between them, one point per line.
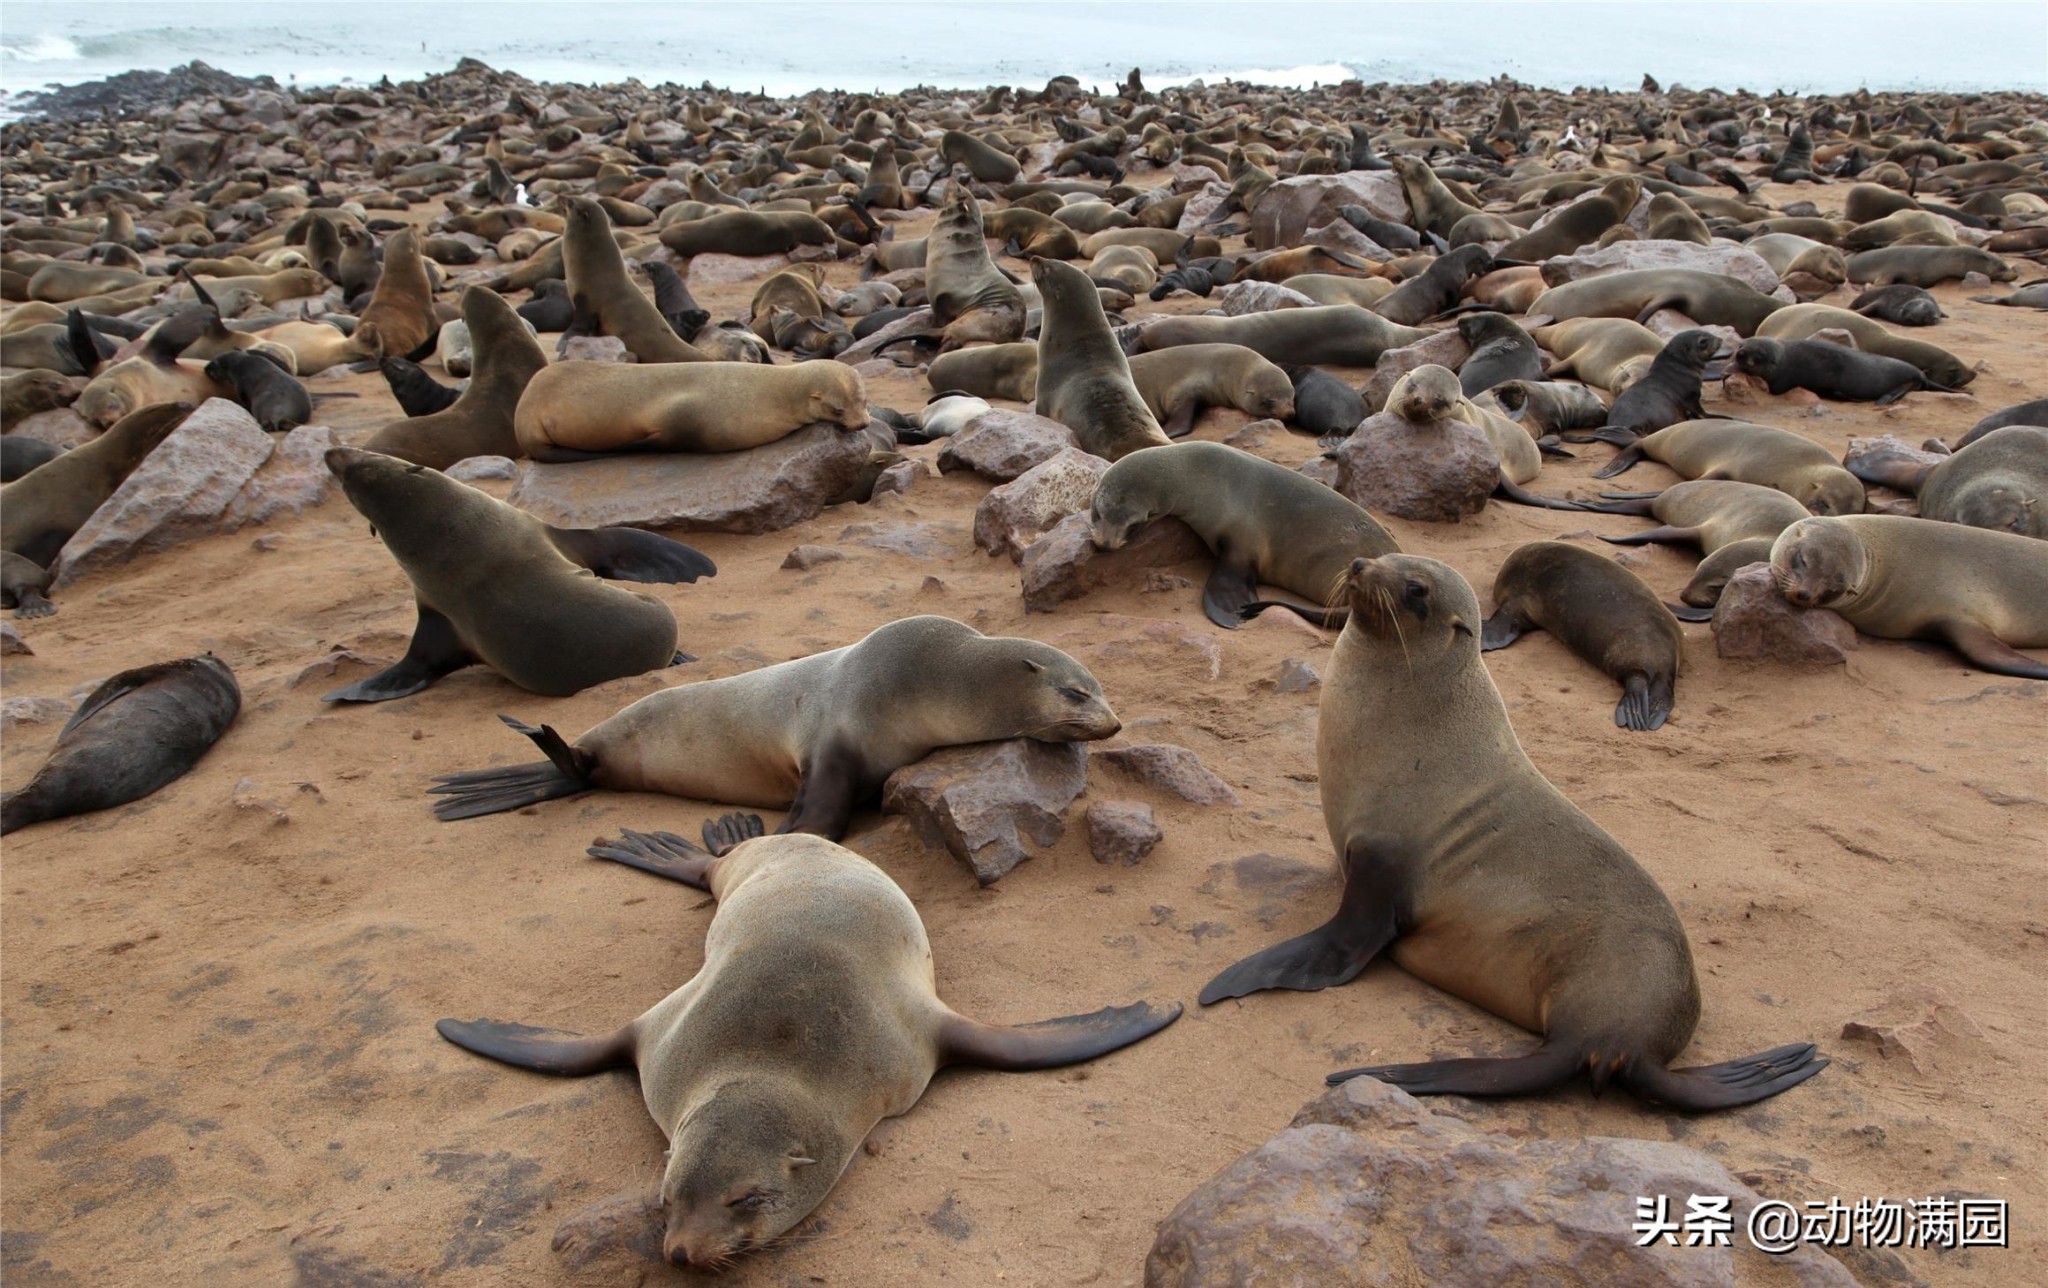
pixel 901 268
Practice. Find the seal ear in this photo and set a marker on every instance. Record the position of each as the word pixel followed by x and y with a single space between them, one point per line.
pixel 1036 667
pixel 798 1160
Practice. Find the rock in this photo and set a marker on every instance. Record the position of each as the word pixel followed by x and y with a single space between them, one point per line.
pixel 805 558
pixel 1924 1030
pixel 1001 444
pixel 1435 473
pixel 1745 266
pixel 1204 204
pixel 984 801
pixel 900 477
pixel 1291 207
pixel 1444 349
pixel 913 323
pixel 762 489
pixel 1121 832
pixel 180 491
pixel 59 427
pixel 1669 322
pixel 33 711
pixel 248 796
pixel 11 642
pixel 595 348
pixel 1339 235
pixel 713 269
pixel 937 540
pixel 326 666
pixel 1015 514
pixel 1240 298
pixel 1255 435
pixel 1890 446
pixel 1742 390
pixel 1296 676
pixel 876 367
pixel 1064 563
pixel 1167 768
pixel 292 481
pixel 1754 620
pixel 479 469
pixel 1369 1186
pixel 454 347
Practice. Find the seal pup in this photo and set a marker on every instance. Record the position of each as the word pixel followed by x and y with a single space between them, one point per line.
pixel 1900 302
pixel 477 421
pixel 604 300
pixel 1602 612
pixel 817 735
pixel 496 586
pixel 1265 523
pixel 20 454
pixel 1983 593
pixel 137 733
pixel 1501 351
pixel 1669 392
pixel 1084 380
pixel 815 1017
pixel 1436 288
pixel 1431 803
pixel 417 393
pixel 270 393
pixel 1833 371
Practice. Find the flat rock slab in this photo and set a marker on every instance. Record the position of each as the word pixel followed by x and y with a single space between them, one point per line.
pixel 714 269
pixel 1745 266
pixel 1064 563
pixel 1370 1186
pixel 983 802
pixel 1167 768
pixel 762 489
pixel 1001 444
pixel 1291 207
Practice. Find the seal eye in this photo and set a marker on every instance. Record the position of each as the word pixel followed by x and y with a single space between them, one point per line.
pixel 751 1201
pixel 1416 592
pixel 1075 696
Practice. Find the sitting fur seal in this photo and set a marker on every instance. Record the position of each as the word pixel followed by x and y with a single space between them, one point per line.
pixel 1669 391
pixel 497 586
pixel 1267 524
pixel 1984 593
pixel 1433 807
pixel 1084 380
pixel 971 300
pixel 1733 449
pixel 815 1016
pixel 1602 612
pixel 604 299
pixel 139 732
pixel 1501 351
pixel 817 735
pixel 1831 370
pixel 573 411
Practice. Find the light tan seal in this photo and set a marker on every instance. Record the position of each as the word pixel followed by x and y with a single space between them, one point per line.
pixel 1465 865
pixel 399 321
pixel 604 299
pixel 1733 449
pixel 817 735
pixel 1999 481
pixel 1084 380
pixel 479 421
pixel 1610 353
pixel 815 1017
pixel 575 410
pixel 1984 593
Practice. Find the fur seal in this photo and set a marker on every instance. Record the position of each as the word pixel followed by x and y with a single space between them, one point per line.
pixel 1549 407
pixel 1733 449
pixel 1084 380
pixel 477 421
pixel 748 232
pixel 399 321
pixel 497 586
pixel 1610 353
pixel 1711 513
pixel 1709 299
pixel 20 454
pixel 1436 210
pixel 1326 288
pixel 1900 302
pixel 1324 405
pixel 270 393
pixel 1436 288
pixel 575 410
pixel 988 371
pixel 2026 413
pixel 1800 321
pixel 817 735
pixel 2034 295
pixel 1831 370
pixel 154 375
pixel 1336 335
pixel 1999 481
pixel 1501 351
pixel 1583 221
pixel 1431 803
pixel 1602 612
pixel 1669 391
pixel 604 299
pixel 1926 265
pixel 1984 593
pixel 971 300
pixel 416 392
pixel 1266 524
pixel 137 733
pixel 24 394
pixel 1178 383
pixel 815 1016
pixel 40 511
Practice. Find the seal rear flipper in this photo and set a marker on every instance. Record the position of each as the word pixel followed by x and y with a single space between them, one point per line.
pixel 1724 1086
pixel 662 853
pixel 725 832
pixel 1502 629
pixel 1888 468
pixel 628 554
pixel 84 344
pixel 1369 917
pixel 1989 653
pixel 434 652
pixel 1180 422
pixel 1048 1044
pixel 1232 585
pixel 1541 1070
pixel 1508 490
pixel 523 1047
pixel 1623 461
pixel 1663 534
pixel 1552 445
pixel 476 792
pixel 1645 702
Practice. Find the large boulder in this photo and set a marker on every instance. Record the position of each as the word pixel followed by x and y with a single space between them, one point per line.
pixel 1288 209
pixel 1064 563
pixel 1745 266
pixel 1001 444
pixel 1753 619
pixel 982 802
pixel 1445 349
pixel 1016 514
pixel 915 322
pixel 1439 472
pixel 292 481
pixel 1368 1186
pixel 761 489
pixel 1240 298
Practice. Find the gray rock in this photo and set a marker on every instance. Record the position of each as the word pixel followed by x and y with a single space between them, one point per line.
pixel 1443 349
pixel 934 540
pixel 180 491
pixel 713 269
pixel 1296 676
pixel 1339 235
pixel 60 427
pixel 1017 513
pixel 913 323
pixel 34 711
pixel 595 348
pixel 1257 434
pixel 1436 473
pixel 1291 207
pixel 762 489
pixel 1001 444
pixel 1205 203
pixel 1755 620
pixel 805 558
pixel 454 348
pixel 1121 832
pixel 1064 563
pixel 1745 266
pixel 292 481
pixel 1167 768
pixel 479 469
pixel 11 642
pixel 1240 298
pixel 1369 1186
pixel 900 477
pixel 983 802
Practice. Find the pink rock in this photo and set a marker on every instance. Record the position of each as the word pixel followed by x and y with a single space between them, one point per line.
pixel 983 802
pixel 1291 207
pixel 1121 832
pixel 1015 514
pixel 292 481
pixel 1754 620
pixel 1745 266
pixel 1256 435
pixel 900 478
pixel 1435 473
pixel 479 469
pixel 1443 349
pixel 1167 768
pixel 60 427
pixel 1201 207
pixel 1001 444
pixel 595 348
pixel 805 558
pixel 11 642
pixel 1339 235
pixel 1064 563
pixel 1923 1029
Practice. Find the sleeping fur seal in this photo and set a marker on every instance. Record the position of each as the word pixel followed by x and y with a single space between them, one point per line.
pixel 573 411
pixel 1709 299
pixel 1337 335
pixel 815 1016
pixel 1800 321
pixel 1732 449
pixel 1999 481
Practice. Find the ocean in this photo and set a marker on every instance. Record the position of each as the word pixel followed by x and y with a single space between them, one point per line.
pixel 873 45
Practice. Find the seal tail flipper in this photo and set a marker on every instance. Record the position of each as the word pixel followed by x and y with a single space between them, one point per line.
pixel 1513 1076
pixel 1724 1086
pixel 628 554
pixel 1508 490
pixel 1987 652
pixel 477 792
pixel 1645 703
pixel 1048 1044
pixel 522 1047
pixel 662 853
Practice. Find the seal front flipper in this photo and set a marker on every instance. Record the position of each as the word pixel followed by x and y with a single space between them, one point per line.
pixel 722 834
pixel 1725 1085
pixel 434 652
pixel 1691 612
pixel 1645 702
pixel 1511 1076
pixel 1232 585
pixel 1369 917
pixel 1048 1044
pixel 1987 652
pixel 827 789
pixel 662 853
pixel 1503 628
pixel 476 792
pixel 523 1047
pixel 628 554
